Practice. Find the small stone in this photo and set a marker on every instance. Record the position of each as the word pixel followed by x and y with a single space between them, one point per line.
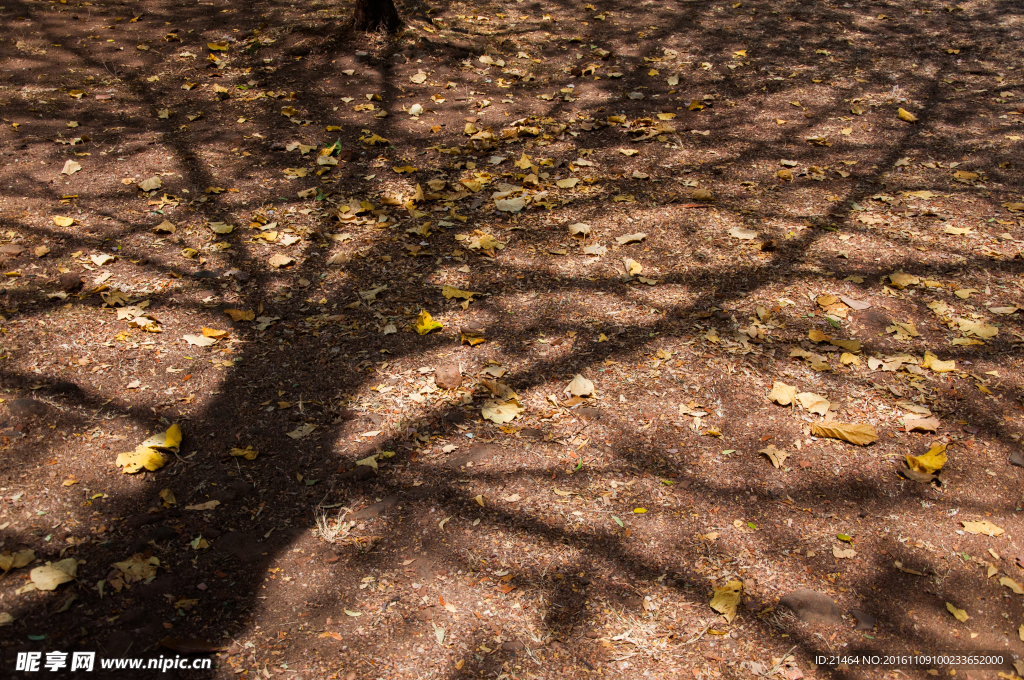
pixel 865 621
pixel 1016 459
pixel 70 282
pixel 448 376
pixel 22 409
pixel 812 607
pixel 512 646
pixel 11 249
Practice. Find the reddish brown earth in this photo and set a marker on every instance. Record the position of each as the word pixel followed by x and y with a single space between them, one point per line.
pixel 791 220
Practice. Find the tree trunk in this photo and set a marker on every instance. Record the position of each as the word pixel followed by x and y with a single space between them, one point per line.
pixel 377 15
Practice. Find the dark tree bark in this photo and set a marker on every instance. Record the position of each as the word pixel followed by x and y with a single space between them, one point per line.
pixel 377 15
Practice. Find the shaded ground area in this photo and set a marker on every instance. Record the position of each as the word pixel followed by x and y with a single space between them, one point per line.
pixel 755 231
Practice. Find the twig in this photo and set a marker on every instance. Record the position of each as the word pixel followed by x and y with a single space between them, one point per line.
pixel 779 664
pixel 700 634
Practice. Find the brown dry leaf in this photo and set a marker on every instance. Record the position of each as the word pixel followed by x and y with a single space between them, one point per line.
pixel 70 167
pixel 814 335
pixel 279 260
pixel 501 412
pixel 165 227
pixel 983 527
pixel 41 251
pixel 815 403
pixel 727 598
pixel 977 329
pixel 1011 584
pixel 151 184
pixel 632 266
pixel 901 280
pixel 912 423
pixel 138 568
pixel 208 505
pixel 782 394
pixel 855 433
pixel 843 553
pixel 702 195
pixel 630 238
pixel 20 559
pixel 742 233
pixel 579 387
pixel 240 314
pixel 50 576
pixel 776 456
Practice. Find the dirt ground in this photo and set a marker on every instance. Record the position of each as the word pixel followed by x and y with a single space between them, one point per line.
pixel 540 340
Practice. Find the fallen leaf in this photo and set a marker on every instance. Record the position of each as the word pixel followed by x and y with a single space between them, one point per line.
pixel 901 280
pixel 960 614
pixel 248 453
pixel 907 115
pixel 776 456
pixel 580 386
pixel 20 559
pixel 151 184
pixel 501 412
pixel 782 394
pixel 632 266
pixel 208 505
pixel 240 315
pixel 702 195
pixel 815 403
pixel 301 431
pixel 727 598
pixel 931 361
pixel 595 249
pixel 912 423
pixel 843 553
pixel 279 260
pixel 479 499
pixel 138 568
pixel 369 461
pixel 50 576
pixel 70 167
pixel 198 340
pixel 579 229
pixel 62 221
pixel 1011 584
pixel 854 433
pixel 168 498
pixel 983 527
pixel 143 457
pixel 742 233
pixel 630 238
pixel 425 323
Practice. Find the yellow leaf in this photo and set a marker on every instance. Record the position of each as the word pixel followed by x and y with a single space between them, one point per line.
pixel 62 221
pixel 727 598
pixel 168 498
pixel 580 386
pixel 640 511
pixel 931 361
pixel 632 266
pixel 854 433
pixel 452 292
pixel 141 457
pixel 817 336
pixel 425 323
pixel 221 46
pixel 471 339
pixel 929 463
pixel 901 280
pixel 907 116
pixel 248 453
pixel 960 614
pixel 480 500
